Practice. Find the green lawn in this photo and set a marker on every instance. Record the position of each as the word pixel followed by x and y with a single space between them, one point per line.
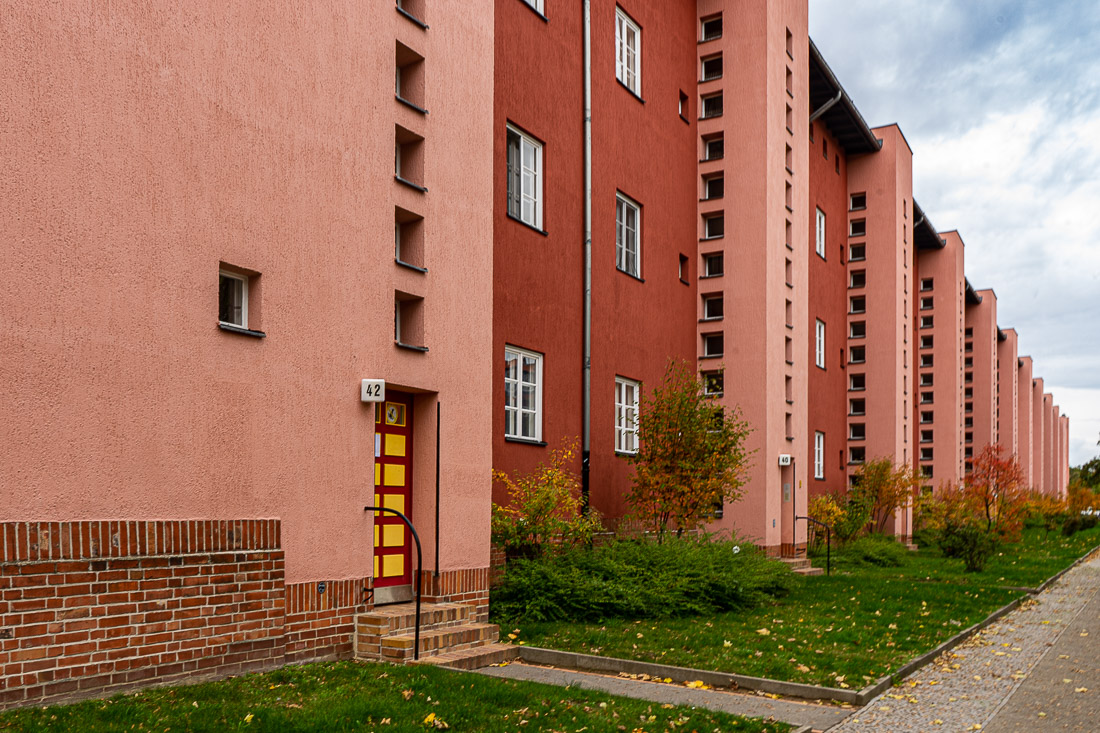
pixel 351 696
pixel 846 630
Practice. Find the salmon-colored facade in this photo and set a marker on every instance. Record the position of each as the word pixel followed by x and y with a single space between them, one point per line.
pixel 227 219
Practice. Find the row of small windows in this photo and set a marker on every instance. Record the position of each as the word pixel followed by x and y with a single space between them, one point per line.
pixel 523 400
pixel 857 228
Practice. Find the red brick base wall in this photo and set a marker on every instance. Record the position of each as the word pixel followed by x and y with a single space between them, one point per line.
pixel 459 586
pixel 91 608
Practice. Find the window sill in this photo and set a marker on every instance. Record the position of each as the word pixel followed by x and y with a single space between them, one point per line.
pixel 536 11
pixel 626 454
pixel 631 91
pixel 685 282
pixel 410 105
pixel 229 327
pixel 819 478
pixel 711 239
pixel 708 40
pixel 822 367
pixel 712 198
pixel 711 160
pixel 525 441
pixel 413 18
pixel 711 277
pixel 410 347
pixel 790 438
pixel 789 362
pixel 630 274
pixel 685 119
pixel 710 356
pixel 718 319
pixel 402 263
pixel 410 184
pixel 704 118
pixel 517 220
pixel 710 78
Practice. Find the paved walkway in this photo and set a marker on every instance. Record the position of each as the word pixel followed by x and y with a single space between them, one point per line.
pixel 1037 669
pixel 819 717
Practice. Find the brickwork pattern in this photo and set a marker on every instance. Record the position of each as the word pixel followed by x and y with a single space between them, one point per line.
pixel 470 586
pixel 320 625
pixel 88 608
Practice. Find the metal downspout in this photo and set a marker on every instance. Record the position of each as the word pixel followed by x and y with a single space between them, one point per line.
pixel 586 432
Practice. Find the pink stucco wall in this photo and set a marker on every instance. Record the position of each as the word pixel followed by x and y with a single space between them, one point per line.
pixel 1007 394
pixel 1025 423
pixel 886 177
pixel 144 145
pixel 981 348
pixel 1038 422
pixel 945 267
pixel 756 136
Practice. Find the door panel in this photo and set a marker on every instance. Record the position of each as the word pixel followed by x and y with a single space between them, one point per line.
pixel 393 489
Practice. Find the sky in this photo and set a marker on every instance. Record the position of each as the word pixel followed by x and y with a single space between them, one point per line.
pixel 1000 101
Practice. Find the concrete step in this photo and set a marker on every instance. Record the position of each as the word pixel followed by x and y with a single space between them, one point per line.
pixel 399 647
pixel 474 657
pixel 809 571
pixel 401 617
pixel 796 563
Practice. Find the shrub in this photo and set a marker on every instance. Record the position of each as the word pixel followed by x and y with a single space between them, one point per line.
pixel 638 579
pixel 544 509
pixel 970 542
pixel 877 550
pixel 883 488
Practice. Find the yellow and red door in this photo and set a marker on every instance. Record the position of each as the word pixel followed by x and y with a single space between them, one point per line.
pixel 393 490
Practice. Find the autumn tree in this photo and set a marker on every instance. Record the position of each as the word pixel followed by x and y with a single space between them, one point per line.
pixel 691 457
pixel 882 488
pixel 996 490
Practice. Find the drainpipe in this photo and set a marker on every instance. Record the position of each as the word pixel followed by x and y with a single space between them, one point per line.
pixel 825 107
pixel 586 432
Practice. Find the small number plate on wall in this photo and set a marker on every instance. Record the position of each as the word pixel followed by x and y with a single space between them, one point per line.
pixel 372 390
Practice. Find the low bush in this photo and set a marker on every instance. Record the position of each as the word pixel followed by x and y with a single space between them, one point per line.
pixel 1076 522
pixel 877 550
pixel 973 544
pixel 637 579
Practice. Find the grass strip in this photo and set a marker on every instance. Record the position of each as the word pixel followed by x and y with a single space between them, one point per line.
pixel 356 696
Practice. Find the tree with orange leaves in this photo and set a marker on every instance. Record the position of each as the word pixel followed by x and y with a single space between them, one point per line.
pixel 996 492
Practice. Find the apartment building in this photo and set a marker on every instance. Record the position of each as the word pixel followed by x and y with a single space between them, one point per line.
pixel 516 249
pixel 227 218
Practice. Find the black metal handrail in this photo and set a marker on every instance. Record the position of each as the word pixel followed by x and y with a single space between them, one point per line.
pixel 828 542
pixel 419 565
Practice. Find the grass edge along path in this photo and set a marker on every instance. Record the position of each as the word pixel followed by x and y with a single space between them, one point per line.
pixel 373 696
pixel 874 621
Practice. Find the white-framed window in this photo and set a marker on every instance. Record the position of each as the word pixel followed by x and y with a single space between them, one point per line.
pixel 626 415
pixel 714 226
pixel 712 27
pixel 820 248
pixel 819 344
pixel 536 4
pixel 628 236
pixel 522 394
pixel 232 299
pixel 712 307
pixel 524 178
pixel 628 52
pixel 819 454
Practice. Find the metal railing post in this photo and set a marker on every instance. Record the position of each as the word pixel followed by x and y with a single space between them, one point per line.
pixel 419 567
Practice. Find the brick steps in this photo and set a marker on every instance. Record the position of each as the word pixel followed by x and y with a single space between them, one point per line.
pixel 475 657
pixel 448 634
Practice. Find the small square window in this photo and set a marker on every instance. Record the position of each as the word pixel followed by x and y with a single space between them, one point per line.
pixel 857 228
pixel 857 355
pixel 857 329
pixel 232 299
pixel 926 417
pixel 926 436
pixel 714 148
pixel 712 307
pixel 857 382
pixel 714 226
pixel 926 343
pixel 857 431
pixel 926 284
pixel 712 28
pixel 628 52
pixel 926 360
pixel 712 68
pixel 926 304
pixel 712 106
pixel 713 344
pixel 857 455
pixel 713 383
pixel 926 379
pixel 857 279
pixel 857 202
pixel 857 252
pixel 926 321
pixel 926 398
pixel 857 304
pixel 714 187
pixel 857 407
pixel 713 265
